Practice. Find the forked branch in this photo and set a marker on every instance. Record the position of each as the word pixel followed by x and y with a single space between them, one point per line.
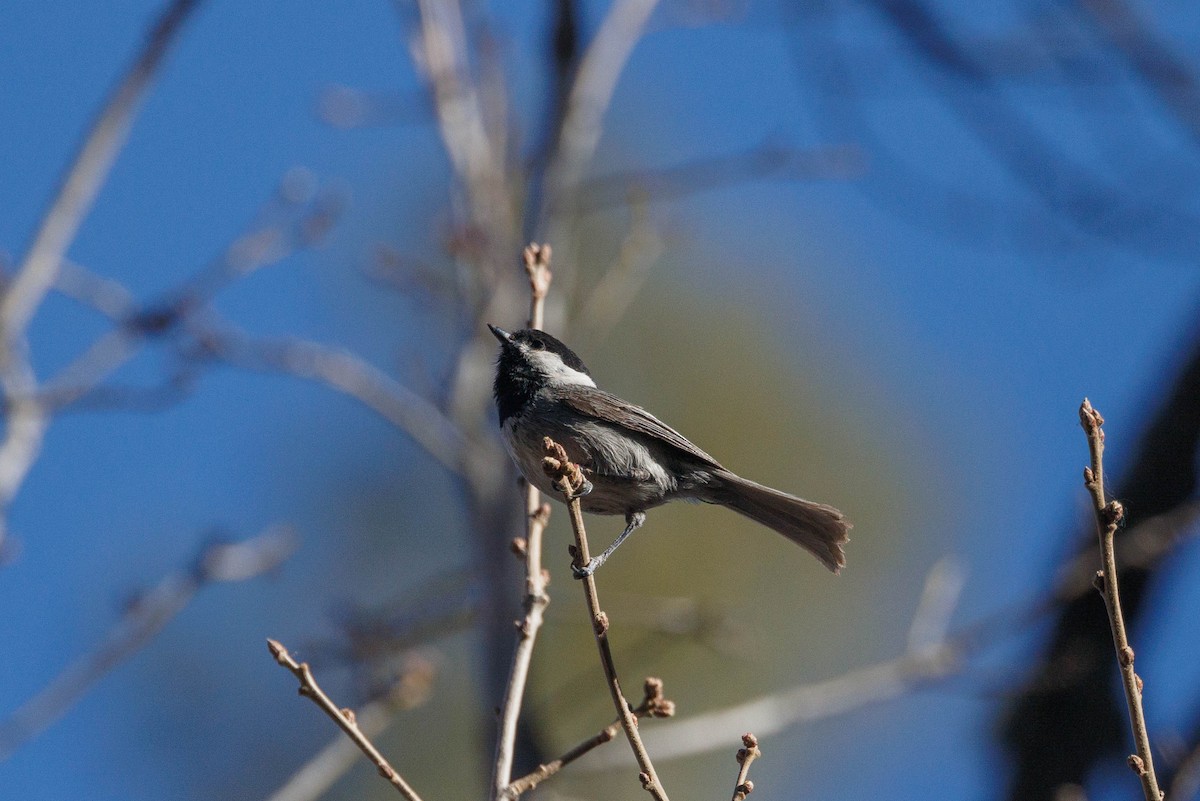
pixel 654 705
pixel 568 479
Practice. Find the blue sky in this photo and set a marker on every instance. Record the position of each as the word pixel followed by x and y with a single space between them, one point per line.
pixel 933 287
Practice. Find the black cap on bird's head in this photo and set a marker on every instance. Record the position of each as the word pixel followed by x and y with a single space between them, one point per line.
pixel 529 360
pixel 531 340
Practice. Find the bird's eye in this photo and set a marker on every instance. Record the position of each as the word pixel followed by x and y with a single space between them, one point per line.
pixel 537 344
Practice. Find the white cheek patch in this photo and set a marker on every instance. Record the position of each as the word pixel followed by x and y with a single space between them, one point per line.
pixel 552 365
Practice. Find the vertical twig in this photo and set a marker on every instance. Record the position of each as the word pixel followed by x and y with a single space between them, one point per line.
pixel 1108 518
pixel 590 97
pixel 745 755
pixel 344 718
pixel 537 514
pixel 568 479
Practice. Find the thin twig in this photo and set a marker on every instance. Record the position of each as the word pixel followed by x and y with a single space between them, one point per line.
pixel 289 221
pixel 316 776
pixel 1108 518
pixel 347 373
pixel 344 718
pixel 146 617
pixel 537 515
pixel 86 175
pixel 26 419
pixel 926 662
pixel 653 705
pixel 620 284
pixel 745 756
pixel 568 479
pixel 773 713
pixel 767 159
pixel 590 97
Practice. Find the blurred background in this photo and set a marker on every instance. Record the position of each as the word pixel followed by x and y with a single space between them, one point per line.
pixel 873 253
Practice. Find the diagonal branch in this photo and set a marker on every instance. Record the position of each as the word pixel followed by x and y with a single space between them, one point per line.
pixel 317 775
pixel 568 479
pixel 590 96
pixel 344 718
pixel 86 175
pixel 26 418
pixel 349 374
pixel 219 562
pixel 654 705
pixel 1108 518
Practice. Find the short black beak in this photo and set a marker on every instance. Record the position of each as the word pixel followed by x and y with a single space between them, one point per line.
pixel 500 334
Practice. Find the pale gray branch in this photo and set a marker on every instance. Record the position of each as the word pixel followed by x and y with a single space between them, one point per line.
pixel 351 375
pixel 27 420
pixel 86 175
pixel 145 618
pixel 592 93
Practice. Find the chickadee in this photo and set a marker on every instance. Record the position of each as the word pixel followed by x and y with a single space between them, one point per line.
pixel 633 461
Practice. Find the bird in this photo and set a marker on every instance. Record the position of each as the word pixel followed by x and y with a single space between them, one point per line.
pixel 632 461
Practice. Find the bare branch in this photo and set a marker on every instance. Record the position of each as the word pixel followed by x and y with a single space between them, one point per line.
pixel 745 756
pixel 771 714
pixel 25 423
pixel 765 160
pixel 441 51
pixel 145 618
pixel 1108 519
pixel 344 718
pixel 568 479
pixel 317 775
pixel 290 220
pixel 537 515
pixel 620 284
pixel 654 704
pixel 349 374
pixel 924 662
pixel 591 94
pixel 939 598
pixel 86 175
pixel 110 298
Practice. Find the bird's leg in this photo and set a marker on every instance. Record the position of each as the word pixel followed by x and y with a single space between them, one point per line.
pixel 633 522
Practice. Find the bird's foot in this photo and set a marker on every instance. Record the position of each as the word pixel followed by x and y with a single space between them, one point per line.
pixel 584 489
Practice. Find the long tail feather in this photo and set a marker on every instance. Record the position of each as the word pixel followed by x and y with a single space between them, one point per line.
pixel 820 529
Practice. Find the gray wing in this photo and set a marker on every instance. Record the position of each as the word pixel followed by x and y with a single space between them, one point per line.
pixel 601 405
